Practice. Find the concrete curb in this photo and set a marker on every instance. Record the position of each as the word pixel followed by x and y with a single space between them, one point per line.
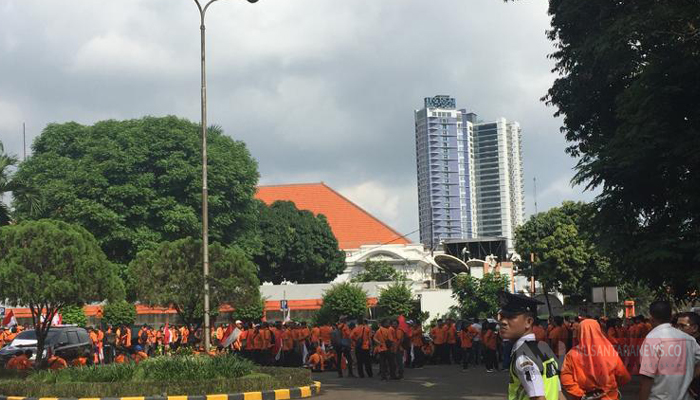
pixel 280 394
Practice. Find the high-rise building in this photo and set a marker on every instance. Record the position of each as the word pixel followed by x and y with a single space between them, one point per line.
pixel 469 174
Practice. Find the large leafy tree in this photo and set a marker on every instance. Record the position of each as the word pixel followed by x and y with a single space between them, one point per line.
pixel 47 265
pixel 137 183
pixel 562 243
pixel 478 297
pixel 629 93
pixel 119 313
pixel 297 245
pixel 171 275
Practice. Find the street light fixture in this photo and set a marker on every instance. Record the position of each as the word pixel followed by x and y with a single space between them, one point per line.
pixel 205 190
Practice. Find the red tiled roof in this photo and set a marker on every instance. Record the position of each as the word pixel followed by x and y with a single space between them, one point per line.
pixel 352 226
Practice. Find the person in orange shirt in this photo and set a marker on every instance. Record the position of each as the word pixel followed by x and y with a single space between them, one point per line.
pixel 466 341
pixel 184 336
pixel 344 348
pixel 315 339
pixel 360 337
pixel 451 347
pixel 287 345
pixel 558 337
pixel 55 363
pixel 317 360
pixel 174 337
pixel 593 366
pixel 121 358
pixel 139 355
pixel 489 341
pixel 399 349
pixel 438 335
pixel 538 330
pixel 417 345
pixel 383 342
pixel 21 362
pixel 79 362
pixel 124 337
pixel 325 331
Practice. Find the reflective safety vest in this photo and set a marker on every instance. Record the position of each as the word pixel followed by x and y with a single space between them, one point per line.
pixel 545 360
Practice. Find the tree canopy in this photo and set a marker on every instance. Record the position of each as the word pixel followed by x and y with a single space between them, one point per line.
pixel 74 315
pixel 478 298
pixel 137 183
pixel 378 271
pixel 6 162
pixel 397 299
pixel 171 275
pixel 567 258
pixel 344 299
pixel 629 94
pixel 297 245
pixel 46 265
pixel 119 313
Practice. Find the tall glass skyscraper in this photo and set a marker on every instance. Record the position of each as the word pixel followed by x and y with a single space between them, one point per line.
pixel 469 174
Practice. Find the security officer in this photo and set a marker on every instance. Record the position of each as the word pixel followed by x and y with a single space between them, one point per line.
pixel 534 371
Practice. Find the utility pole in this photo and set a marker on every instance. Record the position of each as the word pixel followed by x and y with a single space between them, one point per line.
pixel 24 141
pixel 205 189
pixel 534 180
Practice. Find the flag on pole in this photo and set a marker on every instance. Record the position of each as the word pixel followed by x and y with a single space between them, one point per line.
pixel 9 319
pixel 57 320
pixel 232 336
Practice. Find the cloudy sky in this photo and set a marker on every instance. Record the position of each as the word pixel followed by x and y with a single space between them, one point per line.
pixel 320 90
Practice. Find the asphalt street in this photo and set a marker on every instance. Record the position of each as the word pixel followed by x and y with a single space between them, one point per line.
pixel 432 382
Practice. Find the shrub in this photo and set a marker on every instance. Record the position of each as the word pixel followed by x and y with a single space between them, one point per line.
pixel 345 299
pixel 396 299
pixel 74 315
pixel 119 313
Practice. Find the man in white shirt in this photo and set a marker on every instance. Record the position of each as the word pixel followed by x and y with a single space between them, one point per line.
pixel 669 358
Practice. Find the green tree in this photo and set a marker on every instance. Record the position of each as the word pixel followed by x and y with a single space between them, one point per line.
pixel 137 183
pixel 47 265
pixel 171 275
pixel 478 298
pixel 74 315
pixel 297 245
pixel 563 243
pixel 344 299
pixel 628 89
pixel 378 271
pixel 6 162
pixel 252 310
pixel 119 313
pixel 397 299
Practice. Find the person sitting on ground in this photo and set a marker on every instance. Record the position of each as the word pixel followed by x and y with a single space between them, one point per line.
pixel 79 361
pixel 21 362
pixel 316 361
pixel 593 368
pixel 55 362
pixel 121 358
pixel 139 355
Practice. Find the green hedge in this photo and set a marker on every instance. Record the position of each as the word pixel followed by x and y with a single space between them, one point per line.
pixel 164 376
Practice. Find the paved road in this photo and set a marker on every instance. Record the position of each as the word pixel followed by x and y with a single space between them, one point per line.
pixel 432 382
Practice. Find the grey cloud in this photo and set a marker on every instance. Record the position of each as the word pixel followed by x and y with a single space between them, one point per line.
pixel 319 90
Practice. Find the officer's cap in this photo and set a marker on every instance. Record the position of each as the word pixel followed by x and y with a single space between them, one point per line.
pixel 514 304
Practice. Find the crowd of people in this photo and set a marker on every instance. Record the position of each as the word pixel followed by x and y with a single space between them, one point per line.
pixel 590 355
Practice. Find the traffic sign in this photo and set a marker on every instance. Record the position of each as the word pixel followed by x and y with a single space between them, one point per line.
pixel 283 305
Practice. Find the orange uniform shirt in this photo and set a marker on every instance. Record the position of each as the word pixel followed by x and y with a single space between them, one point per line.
pixel 362 332
pixel 326 331
pixel 438 335
pixel 381 337
pixel 450 334
pixel 417 336
pixel 490 339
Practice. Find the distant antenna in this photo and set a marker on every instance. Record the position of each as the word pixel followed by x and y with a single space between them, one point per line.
pixel 24 140
pixel 534 180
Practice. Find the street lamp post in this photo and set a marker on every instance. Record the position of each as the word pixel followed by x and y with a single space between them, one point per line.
pixel 205 190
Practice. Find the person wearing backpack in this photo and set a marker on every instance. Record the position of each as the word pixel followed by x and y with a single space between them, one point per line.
pixel 344 346
pixel 361 338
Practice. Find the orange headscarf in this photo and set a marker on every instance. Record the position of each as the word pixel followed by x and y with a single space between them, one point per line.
pixel 593 364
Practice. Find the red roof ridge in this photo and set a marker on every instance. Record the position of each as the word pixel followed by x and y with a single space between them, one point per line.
pixel 398 235
pixel 294 184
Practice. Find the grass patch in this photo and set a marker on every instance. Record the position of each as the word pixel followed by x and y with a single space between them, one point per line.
pixel 163 376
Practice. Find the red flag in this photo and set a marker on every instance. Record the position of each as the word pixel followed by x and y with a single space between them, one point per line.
pixel 166 334
pixel 9 319
pixel 227 332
